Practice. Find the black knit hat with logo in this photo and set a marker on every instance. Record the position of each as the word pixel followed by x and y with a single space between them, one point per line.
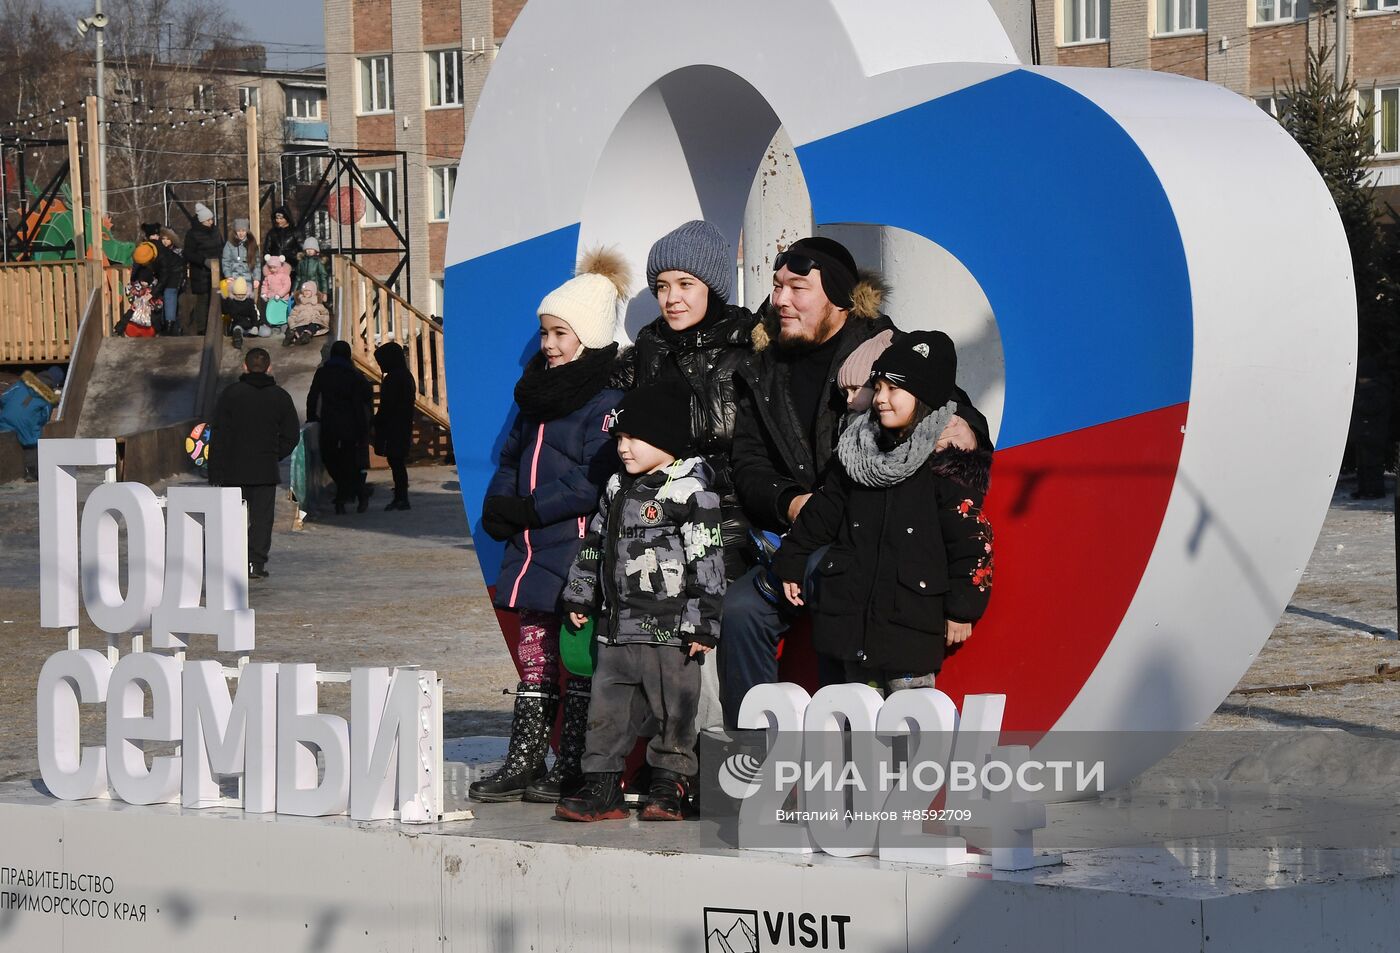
pixel 924 363
pixel 658 414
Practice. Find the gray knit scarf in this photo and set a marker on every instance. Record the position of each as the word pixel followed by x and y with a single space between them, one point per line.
pixel 870 466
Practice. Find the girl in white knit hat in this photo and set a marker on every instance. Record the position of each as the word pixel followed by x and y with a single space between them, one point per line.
pixel 551 471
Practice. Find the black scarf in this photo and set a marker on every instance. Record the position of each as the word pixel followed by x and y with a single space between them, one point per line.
pixel 548 393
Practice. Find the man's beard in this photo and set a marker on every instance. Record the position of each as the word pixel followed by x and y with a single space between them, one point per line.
pixel 800 341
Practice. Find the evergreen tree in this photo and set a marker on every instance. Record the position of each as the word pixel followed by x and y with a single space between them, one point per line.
pixel 1322 117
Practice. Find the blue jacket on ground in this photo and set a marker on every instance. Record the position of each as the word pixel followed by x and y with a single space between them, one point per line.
pixel 26 406
pixel 562 465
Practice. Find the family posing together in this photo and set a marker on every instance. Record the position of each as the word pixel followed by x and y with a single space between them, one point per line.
pixel 691 495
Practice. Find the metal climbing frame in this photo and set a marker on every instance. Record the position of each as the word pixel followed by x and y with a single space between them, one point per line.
pixel 342 169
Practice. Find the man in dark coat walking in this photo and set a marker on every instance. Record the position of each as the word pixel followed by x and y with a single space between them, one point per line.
pixel 202 242
pixel 785 434
pixel 255 427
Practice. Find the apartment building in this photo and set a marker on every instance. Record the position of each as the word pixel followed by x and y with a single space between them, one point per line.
pixel 1249 46
pixel 405 75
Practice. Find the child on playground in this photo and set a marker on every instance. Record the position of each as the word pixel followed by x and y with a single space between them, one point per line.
pixel 312 267
pixel 652 572
pixel 552 468
pixel 309 317
pixel 242 313
pixel 905 529
pixel 240 257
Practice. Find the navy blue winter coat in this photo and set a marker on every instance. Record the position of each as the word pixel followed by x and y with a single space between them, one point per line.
pixel 563 465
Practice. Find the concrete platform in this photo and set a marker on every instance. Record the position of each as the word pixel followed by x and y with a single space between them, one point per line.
pixel 515 879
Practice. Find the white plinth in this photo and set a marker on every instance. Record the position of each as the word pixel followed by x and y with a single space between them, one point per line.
pixel 515 879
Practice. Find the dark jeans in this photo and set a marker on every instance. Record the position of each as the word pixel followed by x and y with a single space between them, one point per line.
pixel 632 683
pixel 750 631
pixel 342 462
pixel 262 507
pixel 399 466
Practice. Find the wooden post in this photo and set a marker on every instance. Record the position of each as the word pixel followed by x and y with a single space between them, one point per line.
pixel 98 206
pixel 75 187
pixel 254 212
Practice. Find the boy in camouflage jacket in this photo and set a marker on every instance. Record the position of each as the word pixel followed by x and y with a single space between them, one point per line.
pixel 651 571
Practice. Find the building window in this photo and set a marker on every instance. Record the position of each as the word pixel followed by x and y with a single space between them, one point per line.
pixel 304 168
pixel 200 98
pixel 303 104
pixel 1381 108
pixel 439 298
pixel 248 96
pixel 444 184
pixel 444 77
pixel 126 87
pixel 384 184
pixel 1085 20
pixel 1180 16
pixel 376 85
pixel 1371 5
pixel 1273 105
pixel 1275 11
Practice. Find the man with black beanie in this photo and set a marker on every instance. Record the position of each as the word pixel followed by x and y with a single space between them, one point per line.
pixel 789 418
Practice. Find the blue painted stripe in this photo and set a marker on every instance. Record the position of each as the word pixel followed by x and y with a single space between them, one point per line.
pixel 1061 219
pixel 491 331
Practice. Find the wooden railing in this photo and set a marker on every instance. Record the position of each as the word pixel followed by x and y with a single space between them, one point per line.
pixel 368 314
pixel 42 303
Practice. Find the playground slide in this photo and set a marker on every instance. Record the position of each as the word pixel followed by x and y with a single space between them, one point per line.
pixel 140 384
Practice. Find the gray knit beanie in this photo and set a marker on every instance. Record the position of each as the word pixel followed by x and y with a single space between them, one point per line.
pixel 697 248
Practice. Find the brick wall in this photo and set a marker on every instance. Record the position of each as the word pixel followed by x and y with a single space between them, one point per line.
pixel 1045 26
pixel 1228 22
pixel 1183 55
pixel 373 26
pixel 375 132
pixel 340 71
pixel 442 23
pixel 1091 54
pixel 1128 34
pixel 503 14
pixel 1271 51
pixel 1375 51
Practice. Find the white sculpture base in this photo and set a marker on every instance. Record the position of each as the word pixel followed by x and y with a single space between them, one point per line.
pixel 515 879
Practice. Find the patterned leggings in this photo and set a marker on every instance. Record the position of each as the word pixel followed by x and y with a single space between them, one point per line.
pixel 538 650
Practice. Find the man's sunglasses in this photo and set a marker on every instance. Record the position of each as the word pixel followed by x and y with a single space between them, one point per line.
pixel 795 263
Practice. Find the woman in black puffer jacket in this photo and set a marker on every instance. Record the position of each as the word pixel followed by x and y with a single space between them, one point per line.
pixel 699 341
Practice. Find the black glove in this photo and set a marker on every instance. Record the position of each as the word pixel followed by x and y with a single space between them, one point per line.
pixel 504 516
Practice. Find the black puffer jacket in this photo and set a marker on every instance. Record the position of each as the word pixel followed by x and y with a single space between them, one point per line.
pixel 707 358
pixel 170 268
pixel 773 458
pixel 202 242
pixel 283 241
pixel 257 426
pixel 903 560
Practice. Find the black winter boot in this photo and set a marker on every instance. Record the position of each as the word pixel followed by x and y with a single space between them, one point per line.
pixel 529 736
pixel 598 799
pixel 565 775
pixel 668 798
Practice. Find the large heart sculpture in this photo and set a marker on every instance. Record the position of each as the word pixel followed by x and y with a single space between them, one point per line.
pixel 1170 282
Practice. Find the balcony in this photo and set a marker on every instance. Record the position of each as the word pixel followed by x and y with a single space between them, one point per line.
pixel 306 130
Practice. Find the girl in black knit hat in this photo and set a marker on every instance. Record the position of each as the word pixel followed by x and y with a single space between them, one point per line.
pixel 901 581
